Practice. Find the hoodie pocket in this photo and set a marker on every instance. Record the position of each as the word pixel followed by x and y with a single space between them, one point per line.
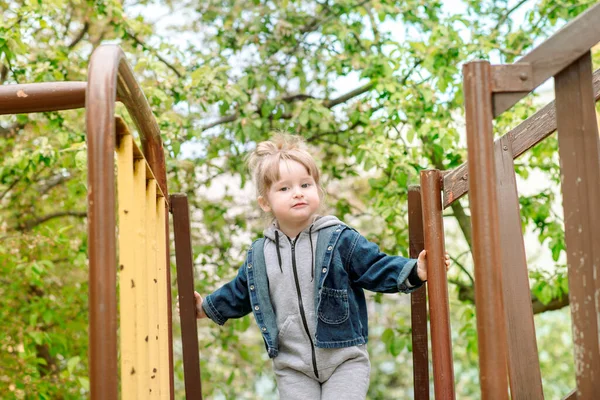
pixel 294 345
pixel 333 305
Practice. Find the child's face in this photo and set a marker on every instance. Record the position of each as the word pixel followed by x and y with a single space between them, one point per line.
pixel 294 199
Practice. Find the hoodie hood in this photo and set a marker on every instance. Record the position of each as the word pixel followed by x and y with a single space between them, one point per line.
pixel 319 223
pixel 274 234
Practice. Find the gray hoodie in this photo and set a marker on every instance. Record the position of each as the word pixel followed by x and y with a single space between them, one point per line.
pixel 291 272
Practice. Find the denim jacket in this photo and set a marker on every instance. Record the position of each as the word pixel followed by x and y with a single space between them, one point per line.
pixel 346 263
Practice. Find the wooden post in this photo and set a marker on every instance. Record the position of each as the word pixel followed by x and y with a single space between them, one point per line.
pixel 523 361
pixel 579 150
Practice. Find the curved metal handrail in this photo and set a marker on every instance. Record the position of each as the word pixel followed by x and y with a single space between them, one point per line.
pixel 109 76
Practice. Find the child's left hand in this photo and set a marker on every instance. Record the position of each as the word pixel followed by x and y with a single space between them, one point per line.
pixel 422 265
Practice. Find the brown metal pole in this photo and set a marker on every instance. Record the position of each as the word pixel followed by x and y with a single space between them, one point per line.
pixel 491 333
pixel 185 283
pixel 418 300
pixel 100 121
pixel 437 284
pixel 43 96
pixel 579 150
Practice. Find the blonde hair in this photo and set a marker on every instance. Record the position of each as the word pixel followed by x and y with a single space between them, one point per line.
pixel 265 159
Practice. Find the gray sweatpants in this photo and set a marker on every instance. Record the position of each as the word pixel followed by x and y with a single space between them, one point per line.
pixel 348 381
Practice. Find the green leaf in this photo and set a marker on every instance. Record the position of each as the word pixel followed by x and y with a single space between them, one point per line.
pixel 84 382
pixel 398 344
pixel 72 363
pixel 387 336
pixel 37 337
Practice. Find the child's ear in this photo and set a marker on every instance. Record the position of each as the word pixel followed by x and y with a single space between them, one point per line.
pixel 264 204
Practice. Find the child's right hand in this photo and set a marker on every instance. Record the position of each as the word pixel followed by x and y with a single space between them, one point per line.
pixel 199 310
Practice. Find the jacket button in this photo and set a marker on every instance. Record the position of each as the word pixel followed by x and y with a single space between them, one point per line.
pixel 338 229
pixel 330 248
pixel 324 270
pixel 250 266
pixel 251 287
pixel 264 329
pixel 256 308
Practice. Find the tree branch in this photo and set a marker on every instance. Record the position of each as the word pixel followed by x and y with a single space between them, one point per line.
pixel 32 223
pixel 52 182
pixel 11 130
pixel 467 293
pixel 358 122
pixel 464 221
pixel 345 97
pixel 97 40
pixel 376 35
pixel 505 16
pixel 43 352
pixel 462 267
pixel 12 185
pixel 333 102
pixel 155 52
pixel 317 21
pixel 222 120
pixel 68 22
pixel 3 73
pixel 10 69
pixel 80 35
pixel 326 103
pixel 554 304
pixel 296 97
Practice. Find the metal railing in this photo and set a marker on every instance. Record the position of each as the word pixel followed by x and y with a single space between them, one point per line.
pixel 110 76
pixel 187 302
pixel 505 327
pixel 145 297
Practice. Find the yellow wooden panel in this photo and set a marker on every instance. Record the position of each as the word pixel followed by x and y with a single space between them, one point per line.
pixel 127 283
pixel 141 276
pixel 163 301
pixel 137 153
pixel 152 282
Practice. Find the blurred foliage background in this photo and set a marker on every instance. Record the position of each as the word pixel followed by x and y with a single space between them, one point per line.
pixel 375 88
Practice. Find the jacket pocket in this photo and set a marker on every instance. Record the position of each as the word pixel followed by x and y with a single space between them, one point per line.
pixel 333 306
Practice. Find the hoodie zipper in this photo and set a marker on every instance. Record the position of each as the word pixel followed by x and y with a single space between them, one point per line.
pixel 302 314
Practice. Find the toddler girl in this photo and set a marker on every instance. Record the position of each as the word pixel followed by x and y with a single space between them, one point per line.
pixel 305 279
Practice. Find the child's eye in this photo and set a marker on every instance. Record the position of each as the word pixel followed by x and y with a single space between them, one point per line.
pixel 283 189
pixel 305 185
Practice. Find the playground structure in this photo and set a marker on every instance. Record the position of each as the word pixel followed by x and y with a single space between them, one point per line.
pixel 506 333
